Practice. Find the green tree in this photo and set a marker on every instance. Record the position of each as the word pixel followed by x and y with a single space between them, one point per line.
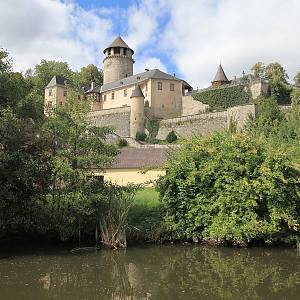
pixel 79 149
pixel 296 98
pixel 297 78
pixel 87 75
pixel 44 72
pixel 25 172
pixel 259 70
pixel 231 188
pixel 276 72
pixel 5 62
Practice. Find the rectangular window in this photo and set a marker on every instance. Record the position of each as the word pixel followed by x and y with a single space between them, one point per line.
pixel 146 87
pixel 49 103
pixel 159 86
pixel 125 93
pixel 171 86
pixel 60 103
pixel 65 93
pixel 116 50
pixel 50 92
pixel 112 96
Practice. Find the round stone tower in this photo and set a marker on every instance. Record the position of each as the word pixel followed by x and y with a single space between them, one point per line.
pixel 118 62
pixel 137 112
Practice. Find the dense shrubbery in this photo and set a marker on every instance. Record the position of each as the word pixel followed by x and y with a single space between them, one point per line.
pixel 140 136
pixel 234 189
pixel 223 97
pixel 171 137
pixel 152 125
pixel 122 143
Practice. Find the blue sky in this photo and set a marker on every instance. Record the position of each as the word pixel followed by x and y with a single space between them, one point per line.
pixel 187 37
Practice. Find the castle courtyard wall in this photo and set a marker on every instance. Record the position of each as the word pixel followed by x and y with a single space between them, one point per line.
pixel 184 126
pixel 118 118
pixel 192 107
pixel 195 124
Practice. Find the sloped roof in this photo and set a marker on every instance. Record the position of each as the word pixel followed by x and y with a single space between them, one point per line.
pixel 118 42
pixel 137 92
pixel 140 158
pixel 134 79
pixel 58 80
pixel 220 76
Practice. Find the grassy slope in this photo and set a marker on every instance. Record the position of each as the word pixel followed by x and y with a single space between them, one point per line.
pixel 145 216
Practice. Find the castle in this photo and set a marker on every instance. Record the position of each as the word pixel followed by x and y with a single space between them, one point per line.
pixel 125 100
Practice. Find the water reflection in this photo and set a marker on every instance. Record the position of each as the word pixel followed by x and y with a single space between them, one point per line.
pixel 154 272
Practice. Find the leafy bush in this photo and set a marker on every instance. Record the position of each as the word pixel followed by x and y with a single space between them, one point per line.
pixel 122 143
pixel 171 137
pixel 222 98
pixel 140 136
pixel 152 126
pixel 231 188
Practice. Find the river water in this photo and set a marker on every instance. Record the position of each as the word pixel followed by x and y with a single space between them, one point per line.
pixel 151 272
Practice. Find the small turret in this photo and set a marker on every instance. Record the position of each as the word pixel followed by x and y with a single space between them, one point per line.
pixel 137 112
pixel 220 78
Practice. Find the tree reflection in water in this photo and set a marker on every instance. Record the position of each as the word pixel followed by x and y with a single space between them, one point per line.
pixel 154 272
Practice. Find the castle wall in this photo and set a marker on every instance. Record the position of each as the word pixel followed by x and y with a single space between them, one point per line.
pixel 240 114
pixel 166 103
pixel 259 88
pixel 192 107
pixel 206 123
pixel 196 124
pixel 118 118
pixel 123 99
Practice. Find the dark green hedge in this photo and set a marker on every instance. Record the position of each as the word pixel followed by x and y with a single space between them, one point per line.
pixel 223 97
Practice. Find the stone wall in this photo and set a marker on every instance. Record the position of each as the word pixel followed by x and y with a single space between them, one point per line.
pixel 192 107
pixel 196 124
pixel 184 126
pixel 118 118
pixel 259 87
pixel 206 123
pixel 240 114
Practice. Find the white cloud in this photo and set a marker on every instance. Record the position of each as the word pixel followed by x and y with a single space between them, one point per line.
pixel 143 23
pixel 195 35
pixel 202 33
pixel 148 63
pixel 45 29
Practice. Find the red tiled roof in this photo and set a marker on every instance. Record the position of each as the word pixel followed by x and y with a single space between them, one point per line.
pixel 139 158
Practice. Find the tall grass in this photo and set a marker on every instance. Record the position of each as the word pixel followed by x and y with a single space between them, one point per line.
pixel 145 216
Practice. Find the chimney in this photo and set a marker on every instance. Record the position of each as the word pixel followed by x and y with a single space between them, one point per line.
pixel 174 74
pixel 92 85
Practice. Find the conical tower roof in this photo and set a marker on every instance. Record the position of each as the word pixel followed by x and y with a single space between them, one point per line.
pixel 137 92
pixel 220 76
pixel 118 42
